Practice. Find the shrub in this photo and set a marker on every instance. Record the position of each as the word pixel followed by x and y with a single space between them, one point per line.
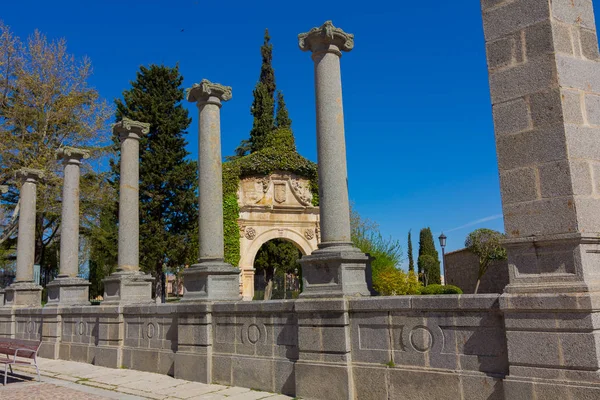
pixel 394 282
pixel 441 289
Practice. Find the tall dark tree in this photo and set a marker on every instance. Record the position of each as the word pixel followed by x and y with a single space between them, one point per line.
pixel 168 180
pixel 282 119
pixel 411 261
pixel 263 106
pixel 427 247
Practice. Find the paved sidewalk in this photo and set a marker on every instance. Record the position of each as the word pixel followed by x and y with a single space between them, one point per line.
pixel 71 380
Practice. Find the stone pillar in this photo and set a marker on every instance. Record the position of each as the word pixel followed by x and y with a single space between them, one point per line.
pixel 128 284
pixel 68 288
pixel 337 268
pixel 24 292
pixel 3 190
pixel 211 278
pixel 545 88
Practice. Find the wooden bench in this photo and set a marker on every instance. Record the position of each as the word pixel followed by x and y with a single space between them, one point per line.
pixel 18 352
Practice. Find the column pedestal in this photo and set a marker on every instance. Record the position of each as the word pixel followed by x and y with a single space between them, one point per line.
pixel 23 294
pixel 211 280
pixel 128 288
pixel 67 291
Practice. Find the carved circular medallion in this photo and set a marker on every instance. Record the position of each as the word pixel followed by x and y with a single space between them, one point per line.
pixel 421 338
pixel 81 327
pixel 309 233
pixel 250 233
pixel 150 330
pixel 30 327
pixel 253 333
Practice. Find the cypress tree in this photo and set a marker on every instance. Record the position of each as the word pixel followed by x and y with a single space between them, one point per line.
pixel 282 119
pixel 411 261
pixel 168 180
pixel 427 247
pixel 263 106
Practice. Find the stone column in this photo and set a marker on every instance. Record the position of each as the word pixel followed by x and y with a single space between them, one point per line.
pixel 24 291
pixel 68 288
pixel 3 190
pixel 211 278
pixel 545 87
pixel 337 268
pixel 128 284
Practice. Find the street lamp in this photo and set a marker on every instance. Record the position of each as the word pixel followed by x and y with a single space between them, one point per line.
pixel 442 239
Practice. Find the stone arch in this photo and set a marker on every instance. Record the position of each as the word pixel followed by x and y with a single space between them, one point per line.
pixel 277 206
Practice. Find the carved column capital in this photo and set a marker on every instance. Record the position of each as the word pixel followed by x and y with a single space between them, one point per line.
pixel 208 92
pixel 72 155
pixel 29 175
pixel 128 128
pixel 326 38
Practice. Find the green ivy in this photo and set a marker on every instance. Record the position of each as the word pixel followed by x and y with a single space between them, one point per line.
pixel 281 155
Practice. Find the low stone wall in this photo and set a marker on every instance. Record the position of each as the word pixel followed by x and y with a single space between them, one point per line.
pixel 462 268
pixel 405 347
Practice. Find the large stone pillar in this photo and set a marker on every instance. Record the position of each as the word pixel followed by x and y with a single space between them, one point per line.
pixel 24 292
pixel 211 278
pixel 3 190
pixel 545 88
pixel 337 268
pixel 128 284
pixel 68 288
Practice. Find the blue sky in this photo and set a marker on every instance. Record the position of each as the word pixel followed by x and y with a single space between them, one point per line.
pixel 419 130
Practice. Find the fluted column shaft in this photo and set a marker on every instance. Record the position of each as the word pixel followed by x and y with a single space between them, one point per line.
pixel 210 204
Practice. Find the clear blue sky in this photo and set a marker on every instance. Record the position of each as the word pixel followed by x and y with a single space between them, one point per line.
pixel 419 130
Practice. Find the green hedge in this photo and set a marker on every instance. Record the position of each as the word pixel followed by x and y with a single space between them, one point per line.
pixel 441 289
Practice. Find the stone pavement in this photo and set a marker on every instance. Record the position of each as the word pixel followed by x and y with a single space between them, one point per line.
pixel 72 380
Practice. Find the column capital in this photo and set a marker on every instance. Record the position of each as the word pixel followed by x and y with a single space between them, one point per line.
pixel 29 175
pixel 326 38
pixel 208 92
pixel 128 128
pixel 72 155
pixel 3 189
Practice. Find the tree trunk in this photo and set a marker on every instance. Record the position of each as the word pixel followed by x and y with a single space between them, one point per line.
pixel 269 275
pixel 477 286
pixel 158 284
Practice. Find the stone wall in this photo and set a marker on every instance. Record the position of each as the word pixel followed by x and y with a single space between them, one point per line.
pixel 462 268
pixel 385 347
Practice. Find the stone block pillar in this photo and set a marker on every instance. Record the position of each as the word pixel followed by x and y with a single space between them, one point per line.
pixel 337 268
pixel 545 87
pixel 68 288
pixel 128 284
pixel 3 190
pixel 211 278
pixel 24 292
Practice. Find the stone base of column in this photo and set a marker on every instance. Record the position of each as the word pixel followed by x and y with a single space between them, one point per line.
pixel 128 288
pixel 210 281
pixel 563 263
pixel 335 270
pixel 247 284
pixel 2 292
pixel 68 291
pixel 23 294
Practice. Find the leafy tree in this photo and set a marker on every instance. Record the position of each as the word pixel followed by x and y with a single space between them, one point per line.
pixel 168 180
pixel 411 261
pixel 46 103
pixel 282 119
pixel 276 256
pixel 487 245
pixel 430 270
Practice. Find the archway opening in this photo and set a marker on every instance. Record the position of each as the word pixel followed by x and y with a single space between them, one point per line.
pixel 278 274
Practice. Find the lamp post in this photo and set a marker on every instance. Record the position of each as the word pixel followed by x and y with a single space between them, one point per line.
pixel 442 239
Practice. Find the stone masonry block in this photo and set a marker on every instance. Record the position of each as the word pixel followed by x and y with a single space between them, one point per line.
pixel 547 216
pixel 592 109
pixel 531 77
pixel 563 42
pixel 513 16
pixel 504 52
pixel 571 106
pixel 518 185
pixel 583 142
pixel 319 381
pixel 539 40
pixel 578 73
pixel 596 172
pixel 511 117
pixel 588 214
pixel 546 108
pixel 555 179
pixel 529 148
pixel 589 44
pixel 574 12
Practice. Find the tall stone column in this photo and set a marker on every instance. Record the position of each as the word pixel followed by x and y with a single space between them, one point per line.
pixel 545 87
pixel 3 190
pixel 337 268
pixel 128 284
pixel 211 278
pixel 68 288
pixel 24 292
